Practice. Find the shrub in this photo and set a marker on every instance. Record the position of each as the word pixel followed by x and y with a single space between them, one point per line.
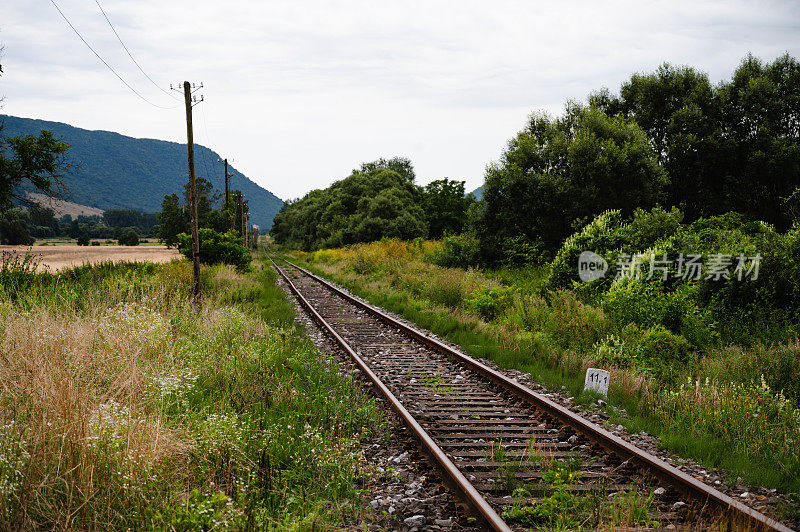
pixel 458 251
pixel 83 240
pixel 651 303
pixel 602 235
pixel 648 228
pixel 226 248
pixel 489 302
pixel 607 235
pixel 94 243
pixel 519 250
pixel 129 239
pixel 654 350
pixel 662 353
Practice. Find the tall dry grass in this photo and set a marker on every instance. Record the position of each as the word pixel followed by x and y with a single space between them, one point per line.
pixel 74 386
pixel 123 407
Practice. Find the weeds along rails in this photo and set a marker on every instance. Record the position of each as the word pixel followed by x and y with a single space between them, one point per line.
pixel 505 449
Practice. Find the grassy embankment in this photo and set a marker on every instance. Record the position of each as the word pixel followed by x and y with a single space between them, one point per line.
pixel 123 407
pixel 716 409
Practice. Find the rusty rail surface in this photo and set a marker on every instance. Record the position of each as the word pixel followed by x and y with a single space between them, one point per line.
pixel 736 512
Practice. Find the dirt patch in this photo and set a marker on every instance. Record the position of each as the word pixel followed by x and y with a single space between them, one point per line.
pixel 55 258
pixel 62 207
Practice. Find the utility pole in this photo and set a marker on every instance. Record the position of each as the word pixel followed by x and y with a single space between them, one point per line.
pixel 191 101
pixel 227 188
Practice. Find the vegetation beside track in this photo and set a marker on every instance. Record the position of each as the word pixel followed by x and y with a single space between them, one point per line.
pixel 124 407
pixel 717 408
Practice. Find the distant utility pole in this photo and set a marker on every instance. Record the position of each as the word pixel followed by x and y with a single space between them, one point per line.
pixel 191 101
pixel 227 188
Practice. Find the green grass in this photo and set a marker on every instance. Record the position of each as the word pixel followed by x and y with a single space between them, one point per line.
pixel 123 407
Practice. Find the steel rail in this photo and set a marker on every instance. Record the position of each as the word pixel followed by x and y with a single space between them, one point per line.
pixel 460 482
pixel 665 472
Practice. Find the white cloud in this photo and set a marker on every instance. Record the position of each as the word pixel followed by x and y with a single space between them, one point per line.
pixel 299 92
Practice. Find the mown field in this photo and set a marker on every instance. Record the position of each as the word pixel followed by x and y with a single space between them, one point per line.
pixel 124 407
pixel 728 403
pixel 54 257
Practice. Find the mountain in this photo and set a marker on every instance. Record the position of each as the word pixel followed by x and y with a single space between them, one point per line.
pixel 115 171
pixel 478 192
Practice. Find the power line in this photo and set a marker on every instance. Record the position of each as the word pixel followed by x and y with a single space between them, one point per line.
pixel 131 55
pixel 104 61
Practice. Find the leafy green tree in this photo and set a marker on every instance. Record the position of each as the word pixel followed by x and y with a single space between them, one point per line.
pixel 730 147
pixel 401 165
pixel 15 227
pixel 43 221
pixel 144 222
pixel 557 174
pixel 173 220
pixel 31 160
pixel 372 203
pixel 227 248
pixel 129 238
pixel 445 207
pixel 761 112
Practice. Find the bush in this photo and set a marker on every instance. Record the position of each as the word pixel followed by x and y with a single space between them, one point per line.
pixel 654 350
pixel 83 240
pixel 457 251
pixel 95 243
pixel 129 239
pixel 647 228
pixel 489 302
pixel 215 248
pixel 607 235
pixel 652 303
pixel 601 236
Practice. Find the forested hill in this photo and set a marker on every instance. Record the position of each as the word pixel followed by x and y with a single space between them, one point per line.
pixel 115 171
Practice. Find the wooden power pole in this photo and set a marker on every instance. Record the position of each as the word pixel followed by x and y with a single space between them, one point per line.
pixel 187 95
pixel 227 190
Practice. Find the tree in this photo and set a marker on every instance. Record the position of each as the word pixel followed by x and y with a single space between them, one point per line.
pixel 226 248
pixel 43 221
pixel 37 161
pixel 445 207
pixel 372 203
pixel 173 220
pixel 760 108
pixel 730 147
pixel 129 238
pixel 401 165
pixel 558 173
pixel 15 227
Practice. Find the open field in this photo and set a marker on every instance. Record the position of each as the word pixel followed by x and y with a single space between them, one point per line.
pixel 57 258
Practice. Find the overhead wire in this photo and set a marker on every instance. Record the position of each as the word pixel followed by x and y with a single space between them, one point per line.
pixel 104 61
pixel 159 87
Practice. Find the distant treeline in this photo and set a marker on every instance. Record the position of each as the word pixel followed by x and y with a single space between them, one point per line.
pixel 669 138
pixel 24 225
pixel 378 200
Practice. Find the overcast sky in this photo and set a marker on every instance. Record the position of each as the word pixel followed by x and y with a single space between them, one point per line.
pixel 299 93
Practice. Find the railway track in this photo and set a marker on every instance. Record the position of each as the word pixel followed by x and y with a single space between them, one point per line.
pixel 502 447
